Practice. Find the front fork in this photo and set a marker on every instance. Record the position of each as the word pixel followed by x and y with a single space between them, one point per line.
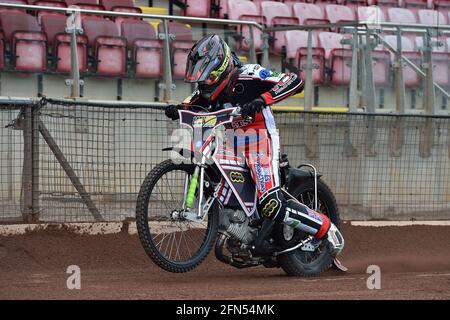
pixel 197 179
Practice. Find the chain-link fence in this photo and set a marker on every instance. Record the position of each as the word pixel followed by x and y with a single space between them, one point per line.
pixel 62 161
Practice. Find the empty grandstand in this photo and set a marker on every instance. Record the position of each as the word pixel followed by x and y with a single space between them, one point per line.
pixel 133 50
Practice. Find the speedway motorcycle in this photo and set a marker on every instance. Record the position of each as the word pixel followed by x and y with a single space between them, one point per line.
pixel 208 199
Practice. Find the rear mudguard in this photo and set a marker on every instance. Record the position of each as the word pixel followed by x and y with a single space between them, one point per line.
pixel 295 177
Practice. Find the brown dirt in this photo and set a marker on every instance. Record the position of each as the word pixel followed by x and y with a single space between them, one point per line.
pixel 414 261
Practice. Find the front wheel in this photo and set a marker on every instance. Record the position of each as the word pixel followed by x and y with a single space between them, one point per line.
pixel 302 262
pixel 175 244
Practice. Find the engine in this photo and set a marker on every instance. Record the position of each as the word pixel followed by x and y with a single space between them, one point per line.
pixel 236 224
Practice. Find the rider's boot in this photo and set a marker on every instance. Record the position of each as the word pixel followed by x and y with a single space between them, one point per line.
pixel 274 206
pixel 314 223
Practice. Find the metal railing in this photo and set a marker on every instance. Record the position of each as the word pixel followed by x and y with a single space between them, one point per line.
pixel 364 39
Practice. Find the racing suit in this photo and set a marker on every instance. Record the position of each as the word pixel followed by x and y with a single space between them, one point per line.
pixel 252 81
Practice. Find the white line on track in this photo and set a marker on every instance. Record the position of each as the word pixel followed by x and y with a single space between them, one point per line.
pixel 434 275
pixel 330 279
pixel 400 223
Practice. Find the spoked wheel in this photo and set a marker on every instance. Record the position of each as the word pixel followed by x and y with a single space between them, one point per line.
pixel 169 239
pixel 314 258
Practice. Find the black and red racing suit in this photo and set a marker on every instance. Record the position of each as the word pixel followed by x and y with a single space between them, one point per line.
pixel 248 83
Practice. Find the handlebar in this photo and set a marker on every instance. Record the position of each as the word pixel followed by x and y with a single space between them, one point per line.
pixel 238 113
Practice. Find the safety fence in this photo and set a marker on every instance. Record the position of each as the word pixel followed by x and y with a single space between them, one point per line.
pixel 67 161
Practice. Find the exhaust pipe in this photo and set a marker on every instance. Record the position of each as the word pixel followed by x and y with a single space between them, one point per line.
pixel 218 251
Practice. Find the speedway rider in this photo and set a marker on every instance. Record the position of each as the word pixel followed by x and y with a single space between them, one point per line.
pixel 221 79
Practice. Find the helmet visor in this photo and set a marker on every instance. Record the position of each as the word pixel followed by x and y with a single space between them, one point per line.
pixel 207 61
pixel 201 64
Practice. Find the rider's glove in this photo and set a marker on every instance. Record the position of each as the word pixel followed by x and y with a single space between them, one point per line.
pixel 172 112
pixel 251 108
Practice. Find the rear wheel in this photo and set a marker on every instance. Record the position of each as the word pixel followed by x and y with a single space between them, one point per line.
pixel 303 261
pixel 171 241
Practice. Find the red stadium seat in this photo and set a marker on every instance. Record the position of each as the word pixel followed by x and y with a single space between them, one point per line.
pixel 431 17
pixel 423 4
pixel 388 3
pixel 296 39
pixel 401 15
pixel 411 77
pixel 336 13
pixel 381 58
pixel 181 44
pixel 107 47
pixel 54 26
pixel 89 6
pixel 145 48
pixel 330 41
pixel 50 3
pixel 5 9
pixel 127 10
pixel 58 4
pixel 338 56
pixel 197 8
pixel 324 3
pixel 223 9
pixel 242 8
pixel 78 2
pixel 27 42
pixel 246 10
pixel 62 52
pixel 372 14
pixel 278 14
pixel 260 2
pixel 297 50
pixel 119 19
pixel 353 3
pixel 109 5
pixel 385 5
pixel 380 67
pixel 441 62
pixel 441 4
pixel 308 13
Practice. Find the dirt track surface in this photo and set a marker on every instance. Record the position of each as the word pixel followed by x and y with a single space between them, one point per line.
pixel 414 262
